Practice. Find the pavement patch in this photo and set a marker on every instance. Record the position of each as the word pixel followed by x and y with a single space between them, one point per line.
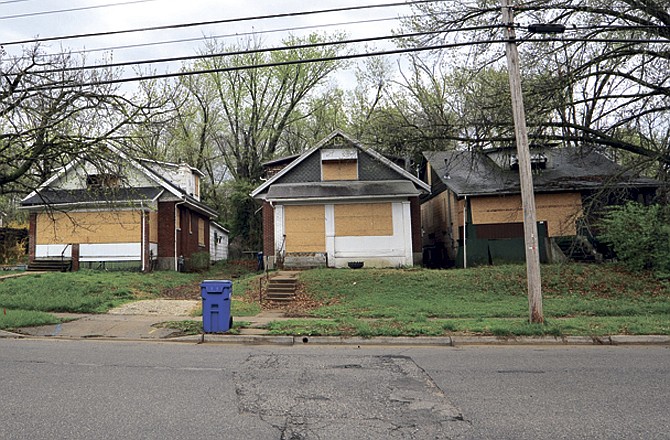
pixel 304 397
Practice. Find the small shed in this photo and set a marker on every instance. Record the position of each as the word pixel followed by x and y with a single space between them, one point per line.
pixel 218 242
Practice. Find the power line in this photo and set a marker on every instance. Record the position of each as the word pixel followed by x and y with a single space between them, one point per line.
pixel 212 22
pixel 260 66
pixel 262 50
pixel 82 8
pixel 236 34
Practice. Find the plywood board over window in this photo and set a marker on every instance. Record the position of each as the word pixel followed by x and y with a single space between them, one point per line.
pixel 201 232
pixel 363 220
pixel 305 228
pixel 345 169
pixel 89 227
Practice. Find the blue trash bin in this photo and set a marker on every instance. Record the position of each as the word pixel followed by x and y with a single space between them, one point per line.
pixel 216 295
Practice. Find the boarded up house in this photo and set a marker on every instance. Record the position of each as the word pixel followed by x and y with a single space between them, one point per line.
pixel 480 190
pixel 121 213
pixel 341 203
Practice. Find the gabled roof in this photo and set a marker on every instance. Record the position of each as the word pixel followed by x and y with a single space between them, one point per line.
pixel 44 195
pixel 330 189
pixel 469 173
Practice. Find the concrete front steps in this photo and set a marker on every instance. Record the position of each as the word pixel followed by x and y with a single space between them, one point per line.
pixel 282 287
pixel 50 265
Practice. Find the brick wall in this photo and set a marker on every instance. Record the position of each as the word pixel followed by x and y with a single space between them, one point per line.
pixel 415 212
pixel 32 237
pixel 268 229
pixel 417 245
pixel 166 229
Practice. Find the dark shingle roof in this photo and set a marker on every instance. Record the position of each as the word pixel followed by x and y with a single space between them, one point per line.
pixel 341 189
pixel 50 196
pixel 475 173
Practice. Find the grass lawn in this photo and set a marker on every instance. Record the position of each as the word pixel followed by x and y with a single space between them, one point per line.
pixel 578 300
pixel 590 300
pixel 26 301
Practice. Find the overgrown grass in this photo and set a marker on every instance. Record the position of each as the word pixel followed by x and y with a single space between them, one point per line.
pixel 189 327
pixel 12 319
pixel 84 291
pixel 591 300
pixel 89 291
pixel 578 300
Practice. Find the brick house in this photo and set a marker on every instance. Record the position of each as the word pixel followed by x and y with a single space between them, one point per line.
pixel 340 203
pixel 121 213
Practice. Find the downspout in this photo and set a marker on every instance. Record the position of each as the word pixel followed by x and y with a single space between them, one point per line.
pixel 465 234
pixel 176 212
pixel 142 253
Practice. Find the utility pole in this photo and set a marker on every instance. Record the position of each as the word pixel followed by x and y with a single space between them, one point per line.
pixel 525 172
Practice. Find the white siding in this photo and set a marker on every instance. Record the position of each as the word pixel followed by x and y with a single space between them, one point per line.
pixel 218 249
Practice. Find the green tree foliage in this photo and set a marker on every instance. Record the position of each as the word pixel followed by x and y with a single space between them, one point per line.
pixel 603 80
pixel 243 218
pixel 639 235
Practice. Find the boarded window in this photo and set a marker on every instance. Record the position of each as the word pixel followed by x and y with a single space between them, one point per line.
pixel 345 169
pixel 201 232
pixel 560 211
pixel 364 220
pixel 89 227
pixel 305 227
pixel 102 181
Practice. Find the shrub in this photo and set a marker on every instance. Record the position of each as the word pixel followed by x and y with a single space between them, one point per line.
pixel 199 262
pixel 639 235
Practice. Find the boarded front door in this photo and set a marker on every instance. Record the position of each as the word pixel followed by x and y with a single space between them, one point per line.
pixel 305 227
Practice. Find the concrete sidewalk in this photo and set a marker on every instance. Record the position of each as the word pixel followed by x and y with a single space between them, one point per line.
pixel 138 322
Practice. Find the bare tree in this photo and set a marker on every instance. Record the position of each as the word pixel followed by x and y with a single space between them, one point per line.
pixel 607 77
pixel 258 104
pixel 51 114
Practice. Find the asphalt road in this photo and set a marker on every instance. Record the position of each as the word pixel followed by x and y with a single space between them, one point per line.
pixel 112 390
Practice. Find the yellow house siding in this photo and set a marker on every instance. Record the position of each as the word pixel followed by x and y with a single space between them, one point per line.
pixel 363 220
pixel 305 228
pixel 560 211
pixel 89 227
pixel 339 170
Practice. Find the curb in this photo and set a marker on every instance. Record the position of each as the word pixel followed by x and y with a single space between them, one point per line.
pixel 419 341
pixel 446 341
pixel 10 335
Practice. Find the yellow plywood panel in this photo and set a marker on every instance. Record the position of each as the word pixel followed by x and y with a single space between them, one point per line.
pixel 363 220
pixel 560 211
pixel 305 228
pixel 340 169
pixel 153 231
pixel 89 227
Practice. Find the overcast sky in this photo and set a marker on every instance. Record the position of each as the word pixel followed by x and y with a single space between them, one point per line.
pixel 29 19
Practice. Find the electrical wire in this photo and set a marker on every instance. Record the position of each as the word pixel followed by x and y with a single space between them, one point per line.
pixel 398 51
pixel 183 73
pixel 82 8
pixel 262 50
pixel 236 34
pixel 212 22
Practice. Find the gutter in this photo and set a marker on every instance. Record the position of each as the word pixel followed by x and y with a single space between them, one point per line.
pixel 176 212
pixel 334 199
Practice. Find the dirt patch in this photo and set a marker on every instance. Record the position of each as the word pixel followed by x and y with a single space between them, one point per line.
pixel 301 305
pixel 161 307
pixel 186 292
